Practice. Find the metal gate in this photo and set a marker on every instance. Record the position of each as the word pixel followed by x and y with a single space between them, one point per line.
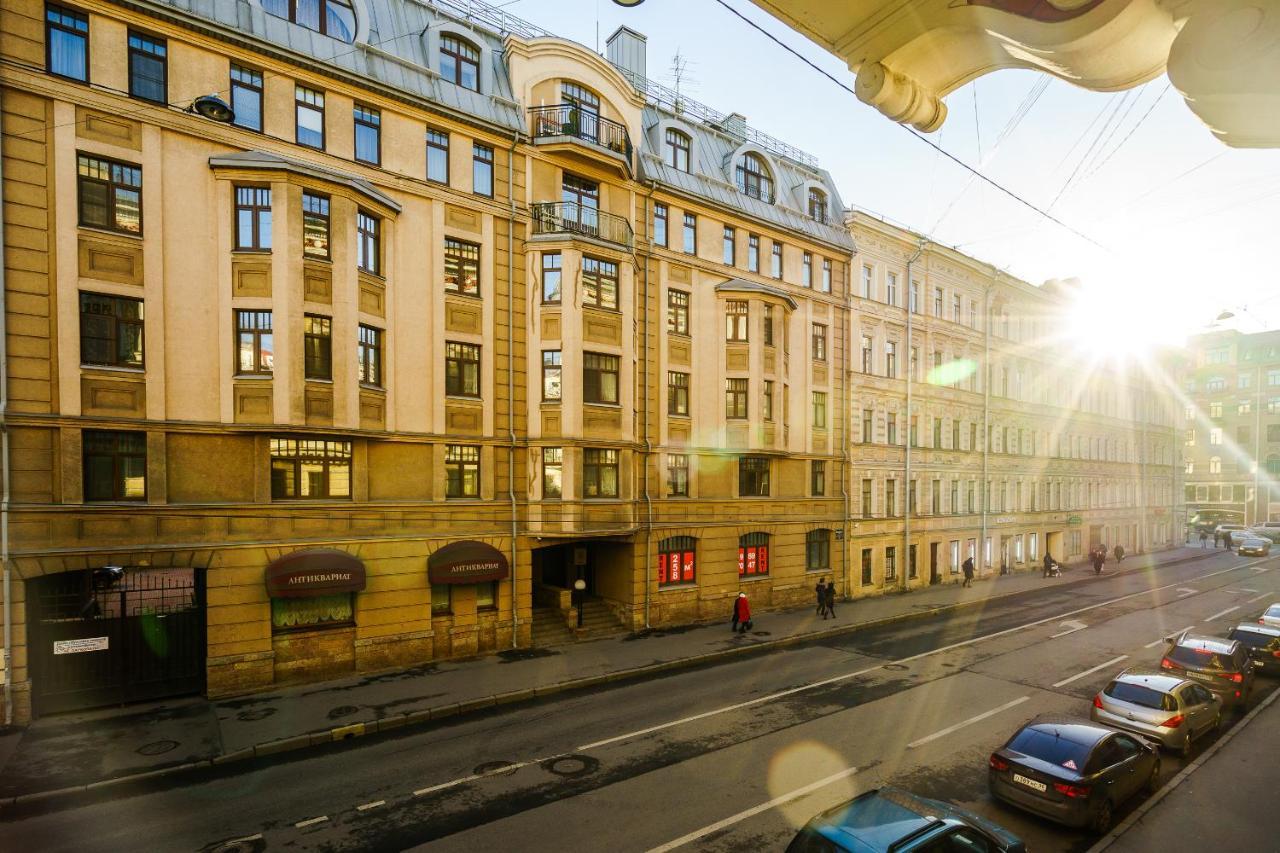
pixel 111 635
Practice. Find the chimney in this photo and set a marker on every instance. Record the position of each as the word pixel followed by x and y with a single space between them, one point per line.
pixel 625 50
pixel 735 124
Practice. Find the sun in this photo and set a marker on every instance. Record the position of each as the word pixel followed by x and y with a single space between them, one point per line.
pixel 1116 322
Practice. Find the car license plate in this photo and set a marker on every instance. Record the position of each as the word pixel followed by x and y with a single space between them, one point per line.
pixel 1030 783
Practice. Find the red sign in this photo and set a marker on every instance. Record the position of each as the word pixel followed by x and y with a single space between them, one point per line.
pixel 676 567
pixel 467 561
pixel 316 571
pixel 753 560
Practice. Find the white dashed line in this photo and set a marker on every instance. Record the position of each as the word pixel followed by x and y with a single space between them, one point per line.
pixel 372 805
pixel 1260 597
pixel 305 823
pixel 474 777
pixel 1090 671
pixel 1222 613
pixel 949 729
pixel 1184 591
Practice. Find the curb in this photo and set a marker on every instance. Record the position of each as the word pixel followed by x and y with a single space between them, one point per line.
pixel 416 718
pixel 1151 802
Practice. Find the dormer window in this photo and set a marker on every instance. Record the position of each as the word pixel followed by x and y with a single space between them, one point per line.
pixel 333 18
pixel 677 150
pixel 817 205
pixel 753 177
pixel 460 62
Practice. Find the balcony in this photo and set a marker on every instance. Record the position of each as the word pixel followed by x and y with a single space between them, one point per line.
pixel 581 132
pixel 570 217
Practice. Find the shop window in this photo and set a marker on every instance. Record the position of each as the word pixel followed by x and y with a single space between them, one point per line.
pixel 115 466
pixel 310 469
pixel 677 560
pixel 753 554
pixel 321 611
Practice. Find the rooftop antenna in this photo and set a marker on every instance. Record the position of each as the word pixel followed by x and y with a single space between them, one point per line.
pixel 680 76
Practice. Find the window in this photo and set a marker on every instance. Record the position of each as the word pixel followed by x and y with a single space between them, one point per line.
pixel 1244 380
pixel 1215 465
pixel 317 347
pixel 368 254
pixel 817 205
pixel 115 466
pixel 1244 407
pixel 1273 432
pixel 677 150
pixel 310 469
pixel 110 194
pixel 753 554
pixel 730 245
pixel 148 68
pixel 890 497
pixel 1273 379
pixel 818 478
pixel 690 234
pixel 552 277
pixel 676 560
pixel 819 342
pixel 677 312
pixel 315 226
pixel 368 129
pixel 599 378
pixel 806 270
pixel 867 284
pixel 677 475
pixel 599 283
pixel 768 325
pixel 753 253
pixel 937 302
pixel 333 18
pixel 462 267
pixel 891 360
pixel 660 225
pixel 890 563
pixel 866 498
pixel 1215 410
pixel 677 393
pixel 753 476
pixel 1215 436
pixel 254 345
pixel 817 550
pixel 369 356
pixel 891 288
pixel 826 275
pixel 955 309
pixel 777 260
pixel 552 471
pixel 482 170
pixel 753 177
pixel 819 409
pixel 461 369
pixel 581 207
pixel 110 330
pixel 551 387
pixel 441 599
pixel 66 43
pixel 308 106
pixel 599 473
pixel 768 400
pixel 866 353
pixel 461 471
pixel 437 156
pixel 735 314
pixel 866 426
pixel 866 566
pixel 891 428
pixel 253 219
pixel 735 398
pixel 460 62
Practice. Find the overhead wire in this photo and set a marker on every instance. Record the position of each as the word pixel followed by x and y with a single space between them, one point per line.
pixel 1131 132
pixel 1116 105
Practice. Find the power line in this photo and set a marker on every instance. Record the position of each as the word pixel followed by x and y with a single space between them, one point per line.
pixel 1132 130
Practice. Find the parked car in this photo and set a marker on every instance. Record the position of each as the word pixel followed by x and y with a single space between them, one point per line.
pixel 1270 616
pixel 1263 643
pixel 1162 707
pixel 1072 771
pixel 1250 544
pixel 1269 530
pixel 1224 530
pixel 890 818
pixel 1219 664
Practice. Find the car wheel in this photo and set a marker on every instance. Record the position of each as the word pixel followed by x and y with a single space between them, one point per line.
pixel 1184 751
pixel 1217 723
pixel 1153 781
pixel 1101 821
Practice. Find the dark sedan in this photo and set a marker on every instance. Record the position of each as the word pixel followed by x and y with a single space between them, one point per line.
pixel 1072 771
pixel 1263 643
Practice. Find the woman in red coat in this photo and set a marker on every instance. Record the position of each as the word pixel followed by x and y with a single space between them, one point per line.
pixel 741 613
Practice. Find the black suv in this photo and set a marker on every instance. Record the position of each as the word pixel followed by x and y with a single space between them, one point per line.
pixel 1221 665
pixel 1263 643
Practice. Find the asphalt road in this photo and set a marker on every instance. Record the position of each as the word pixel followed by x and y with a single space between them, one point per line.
pixel 729 757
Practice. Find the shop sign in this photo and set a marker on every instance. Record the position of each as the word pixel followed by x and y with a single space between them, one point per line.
pixel 1006 519
pixel 1074 519
pixel 316 571
pixel 84 644
pixel 467 561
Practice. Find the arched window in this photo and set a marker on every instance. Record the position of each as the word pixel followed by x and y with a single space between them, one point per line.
pixel 677 150
pixel 676 560
pixel 753 177
pixel 1273 465
pixel 575 95
pixel 817 550
pixel 333 18
pixel 817 205
pixel 1215 464
pixel 460 62
pixel 753 554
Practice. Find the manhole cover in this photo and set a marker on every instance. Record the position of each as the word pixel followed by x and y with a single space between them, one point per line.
pixel 257 714
pixel 342 711
pixel 157 747
pixel 495 768
pixel 569 766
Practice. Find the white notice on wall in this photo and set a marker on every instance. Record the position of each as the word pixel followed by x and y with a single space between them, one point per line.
pixel 86 644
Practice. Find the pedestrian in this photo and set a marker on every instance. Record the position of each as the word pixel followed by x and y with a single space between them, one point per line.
pixel 1204 539
pixel 967 568
pixel 741 614
pixel 1049 566
pixel 1099 557
pixel 829 601
pixel 821 591
pixel 1119 553
pixel 1217 537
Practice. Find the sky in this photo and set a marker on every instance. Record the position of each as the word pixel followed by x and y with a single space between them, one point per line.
pixel 1180 227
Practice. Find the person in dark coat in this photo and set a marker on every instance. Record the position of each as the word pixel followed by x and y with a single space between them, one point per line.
pixel 829 601
pixel 1119 552
pixel 1217 538
pixel 741 613
pixel 821 591
pixel 1048 565
pixel 967 568
pixel 1204 539
pixel 1099 557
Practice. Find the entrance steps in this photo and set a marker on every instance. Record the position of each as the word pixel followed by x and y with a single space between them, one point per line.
pixel 549 628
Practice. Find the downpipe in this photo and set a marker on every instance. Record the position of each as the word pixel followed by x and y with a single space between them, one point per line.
pixel 511 396
pixel 644 411
pixel 6 585
pixel 908 491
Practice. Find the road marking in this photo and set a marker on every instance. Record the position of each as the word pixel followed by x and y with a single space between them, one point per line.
pixel 1090 671
pixel 1072 625
pixel 305 823
pixel 1171 634
pixel 372 805
pixel 1259 569
pixel 949 729
pixel 1260 597
pixel 1241 591
pixel 1222 613
pixel 505 768
pixel 754 810
pixel 1184 591
pixel 257 836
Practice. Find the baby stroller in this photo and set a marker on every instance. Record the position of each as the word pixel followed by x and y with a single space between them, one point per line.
pixel 1055 570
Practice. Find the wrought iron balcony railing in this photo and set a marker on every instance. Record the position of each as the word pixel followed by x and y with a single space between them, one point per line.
pixel 570 120
pixel 570 217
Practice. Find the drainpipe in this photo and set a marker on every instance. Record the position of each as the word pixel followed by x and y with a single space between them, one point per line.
pixel 906 482
pixel 984 494
pixel 846 412
pixel 5 591
pixel 511 395
pixel 644 408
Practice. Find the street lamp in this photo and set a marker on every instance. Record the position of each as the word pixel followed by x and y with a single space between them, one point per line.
pixel 579 586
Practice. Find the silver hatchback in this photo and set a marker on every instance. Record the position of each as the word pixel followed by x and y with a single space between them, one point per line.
pixel 1163 707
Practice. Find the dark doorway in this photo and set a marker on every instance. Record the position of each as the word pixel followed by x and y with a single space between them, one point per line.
pixel 934 575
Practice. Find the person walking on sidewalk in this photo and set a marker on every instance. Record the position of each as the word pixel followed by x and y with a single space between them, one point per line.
pixel 741 614
pixel 967 568
pixel 821 591
pixel 829 601
pixel 1204 539
pixel 1119 551
pixel 1099 557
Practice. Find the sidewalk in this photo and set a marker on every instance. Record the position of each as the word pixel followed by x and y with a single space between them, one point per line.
pixel 69 752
